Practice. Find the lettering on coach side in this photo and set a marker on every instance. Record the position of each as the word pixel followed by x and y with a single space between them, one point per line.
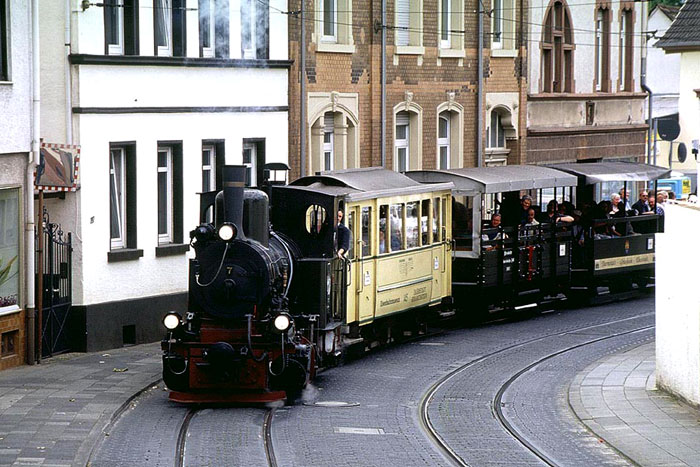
pixel 624 261
pixel 388 302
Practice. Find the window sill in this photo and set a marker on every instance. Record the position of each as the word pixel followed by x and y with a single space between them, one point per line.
pixel 409 50
pixel 451 53
pixel 124 254
pixel 335 48
pixel 172 249
pixel 5 83
pixel 10 310
pixel 504 53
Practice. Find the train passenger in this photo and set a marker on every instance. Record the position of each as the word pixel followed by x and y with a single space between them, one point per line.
pixel 526 203
pixel 625 201
pixel 642 206
pixel 342 236
pixel 617 207
pixel 555 214
pixel 601 228
pixel 654 207
pixel 494 232
pixel 530 220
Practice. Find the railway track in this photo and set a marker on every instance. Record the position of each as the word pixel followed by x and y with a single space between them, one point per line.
pixel 181 446
pixel 444 447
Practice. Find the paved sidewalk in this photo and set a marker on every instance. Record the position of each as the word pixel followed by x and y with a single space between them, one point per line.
pixel 52 414
pixel 617 399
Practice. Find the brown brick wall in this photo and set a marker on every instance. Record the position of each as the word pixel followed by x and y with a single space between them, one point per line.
pixel 430 81
pixel 9 323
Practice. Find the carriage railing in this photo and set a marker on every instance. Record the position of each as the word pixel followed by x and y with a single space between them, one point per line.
pixel 624 226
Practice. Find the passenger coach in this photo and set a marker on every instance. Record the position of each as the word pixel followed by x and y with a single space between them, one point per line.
pixel 509 266
pixel 399 256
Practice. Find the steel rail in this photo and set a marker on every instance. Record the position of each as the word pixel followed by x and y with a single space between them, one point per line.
pixel 267 438
pixel 182 438
pixel 498 400
pixel 424 404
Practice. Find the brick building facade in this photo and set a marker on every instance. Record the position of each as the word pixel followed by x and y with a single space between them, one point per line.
pixel 431 84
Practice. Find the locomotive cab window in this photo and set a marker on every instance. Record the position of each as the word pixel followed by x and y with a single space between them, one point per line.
pixel 315 218
pixel 351 228
pixel 436 221
pixel 463 222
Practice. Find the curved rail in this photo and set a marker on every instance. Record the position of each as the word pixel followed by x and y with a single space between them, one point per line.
pixel 182 438
pixel 498 400
pixel 267 438
pixel 430 430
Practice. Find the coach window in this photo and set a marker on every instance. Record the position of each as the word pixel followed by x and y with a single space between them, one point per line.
pixel 425 222
pixel 396 226
pixel 436 221
pixel 463 221
pixel 366 231
pixel 412 225
pixel 351 228
pixel 383 215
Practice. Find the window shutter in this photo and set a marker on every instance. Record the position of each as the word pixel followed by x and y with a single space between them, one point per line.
pixel 179 28
pixel 403 21
pixel 262 29
pixel 328 123
pixel 402 118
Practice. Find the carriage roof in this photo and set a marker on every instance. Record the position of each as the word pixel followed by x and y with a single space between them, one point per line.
pixel 497 179
pixel 597 172
pixel 365 183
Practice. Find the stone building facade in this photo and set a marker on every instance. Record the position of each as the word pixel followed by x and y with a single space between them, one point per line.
pixel 431 84
pixel 585 100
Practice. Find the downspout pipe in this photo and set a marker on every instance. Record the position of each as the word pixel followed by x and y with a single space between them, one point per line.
pixel 646 89
pixel 382 136
pixel 29 187
pixel 480 87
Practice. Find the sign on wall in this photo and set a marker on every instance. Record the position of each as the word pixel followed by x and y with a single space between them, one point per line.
pixel 57 169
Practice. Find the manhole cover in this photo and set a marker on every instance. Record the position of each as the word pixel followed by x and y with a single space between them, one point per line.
pixel 332 404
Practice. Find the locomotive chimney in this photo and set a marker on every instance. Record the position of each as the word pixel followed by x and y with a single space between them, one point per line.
pixel 234 183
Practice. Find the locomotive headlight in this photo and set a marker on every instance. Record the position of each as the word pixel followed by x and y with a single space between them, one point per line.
pixel 227 232
pixel 282 322
pixel 171 321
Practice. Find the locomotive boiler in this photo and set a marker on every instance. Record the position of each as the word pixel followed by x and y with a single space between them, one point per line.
pixel 238 341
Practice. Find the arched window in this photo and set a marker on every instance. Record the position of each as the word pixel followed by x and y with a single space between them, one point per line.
pixel 602 49
pixel 500 129
pixel 333 142
pixel 626 49
pixel 407 136
pixel 450 126
pixel 557 49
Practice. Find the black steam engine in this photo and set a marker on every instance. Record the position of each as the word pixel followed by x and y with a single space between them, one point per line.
pixel 238 341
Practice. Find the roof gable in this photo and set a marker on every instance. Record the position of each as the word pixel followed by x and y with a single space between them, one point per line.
pixel 684 32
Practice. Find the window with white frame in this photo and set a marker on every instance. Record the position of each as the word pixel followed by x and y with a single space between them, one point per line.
pixel 409 23
pixel 10 261
pixel 503 25
pixel 602 50
pixel 165 195
pixel 250 161
pixel 444 140
pixel 114 26
pixel 626 49
pixel 497 25
pixel 117 196
pixel 163 17
pixel 402 142
pixel 445 27
pixel 207 27
pixel 330 20
pixel 496 134
pixel 328 141
pixel 208 168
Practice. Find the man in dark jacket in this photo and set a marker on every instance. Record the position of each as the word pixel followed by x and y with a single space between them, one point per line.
pixel 343 236
pixel 642 206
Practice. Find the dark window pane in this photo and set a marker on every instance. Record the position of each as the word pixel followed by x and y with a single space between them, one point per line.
pixel 247 155
pixel 112 21
pixel 162 159
pixel 205 22
pixel 162 203
pixel 206 180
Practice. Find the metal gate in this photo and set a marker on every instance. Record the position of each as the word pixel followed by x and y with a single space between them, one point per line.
pixel 57 288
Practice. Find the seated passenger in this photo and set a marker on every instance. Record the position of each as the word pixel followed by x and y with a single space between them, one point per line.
pixel 616 206
pixel 494 231
pixel 555 214
pixel 530 220
pixel 525 203
pixel 642 206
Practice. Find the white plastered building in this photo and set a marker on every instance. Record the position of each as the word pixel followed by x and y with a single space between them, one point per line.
pixel 159 94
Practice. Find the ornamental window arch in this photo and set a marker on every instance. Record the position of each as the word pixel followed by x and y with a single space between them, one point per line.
pixel 557 49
